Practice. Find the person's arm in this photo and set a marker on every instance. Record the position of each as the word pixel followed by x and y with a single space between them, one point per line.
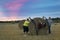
pixel 52 22
pixel 29 19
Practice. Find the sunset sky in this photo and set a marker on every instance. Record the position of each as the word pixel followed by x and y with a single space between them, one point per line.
pixel 20 9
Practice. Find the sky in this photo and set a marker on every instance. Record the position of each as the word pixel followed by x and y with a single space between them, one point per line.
pixel 20 9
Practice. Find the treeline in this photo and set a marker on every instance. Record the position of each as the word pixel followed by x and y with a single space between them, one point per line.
pixel 56 20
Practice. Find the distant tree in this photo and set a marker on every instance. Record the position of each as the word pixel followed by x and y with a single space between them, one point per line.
pixel 56 20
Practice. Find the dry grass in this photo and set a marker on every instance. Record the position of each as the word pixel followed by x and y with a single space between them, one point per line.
pixel 10 31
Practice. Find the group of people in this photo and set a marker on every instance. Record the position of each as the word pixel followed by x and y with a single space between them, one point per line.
pixel 28 20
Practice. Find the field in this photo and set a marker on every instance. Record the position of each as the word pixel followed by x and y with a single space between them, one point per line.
pixel 9 31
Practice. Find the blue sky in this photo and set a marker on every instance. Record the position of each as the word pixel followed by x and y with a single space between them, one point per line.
pixel 32 8
pixel 42 8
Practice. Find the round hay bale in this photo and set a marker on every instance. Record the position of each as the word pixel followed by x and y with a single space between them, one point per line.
pixel 33 27
pixel 43 30
pixel 21 24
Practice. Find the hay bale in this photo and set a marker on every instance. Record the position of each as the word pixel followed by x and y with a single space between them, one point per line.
pixel 32 27
pixel 21 24
pixel 43 31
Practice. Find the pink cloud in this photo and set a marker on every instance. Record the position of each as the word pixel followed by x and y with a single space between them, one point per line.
pixel 21 1
pixel 15 5
pixel 1 14
pixel 13 17
pixel 34 1
pixel 13 13
pixel 10 18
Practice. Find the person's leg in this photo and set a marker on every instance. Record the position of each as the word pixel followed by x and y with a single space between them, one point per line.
pixel 36 30
pixel 49 30
pixel 24 29
pixel 27 29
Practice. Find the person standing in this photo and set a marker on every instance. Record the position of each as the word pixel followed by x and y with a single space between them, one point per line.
pixel 49 22
pixel 25 26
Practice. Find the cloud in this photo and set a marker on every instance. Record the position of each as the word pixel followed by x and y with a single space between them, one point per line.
pixel 21 1
pixel 14 7
pixel 1 14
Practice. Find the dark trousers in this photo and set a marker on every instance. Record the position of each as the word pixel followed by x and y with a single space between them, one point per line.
pixel 25 29
pixel 49 30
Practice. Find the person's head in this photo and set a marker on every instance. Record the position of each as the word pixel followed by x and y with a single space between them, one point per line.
pixel 49 17
pixel 27 19
pixel 44 18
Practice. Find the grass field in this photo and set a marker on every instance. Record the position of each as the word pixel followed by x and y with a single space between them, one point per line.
pixel 9 31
